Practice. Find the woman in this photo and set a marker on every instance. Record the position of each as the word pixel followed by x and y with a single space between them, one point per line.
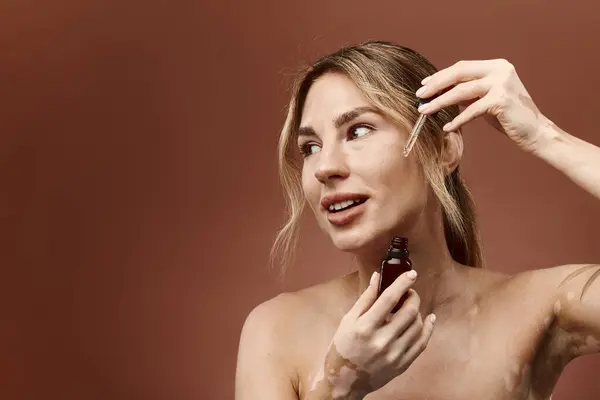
pixel 496 336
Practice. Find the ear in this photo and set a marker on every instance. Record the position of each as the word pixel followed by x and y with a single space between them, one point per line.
pixel 452 151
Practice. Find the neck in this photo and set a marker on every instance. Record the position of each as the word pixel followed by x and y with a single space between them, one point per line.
pixel 439 279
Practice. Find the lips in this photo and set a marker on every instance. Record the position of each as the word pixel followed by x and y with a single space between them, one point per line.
pixel 343 208
pixel 344 205
pixel 341 199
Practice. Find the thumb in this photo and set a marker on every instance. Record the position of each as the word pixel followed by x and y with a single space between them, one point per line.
pixel 367 298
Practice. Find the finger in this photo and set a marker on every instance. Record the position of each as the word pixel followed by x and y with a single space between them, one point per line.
pixel 367 298
pixel 467 103
pixel 420 344
pixel 406 338
pixel 378 312
pixel 405 341
pixel 473 111
pixel 411 336
pixel 404 317
pixel 459 94
pixel 461 71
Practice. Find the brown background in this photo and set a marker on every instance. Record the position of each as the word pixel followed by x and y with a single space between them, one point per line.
pixel 139 189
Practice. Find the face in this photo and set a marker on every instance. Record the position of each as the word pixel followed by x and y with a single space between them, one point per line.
pixel 354 176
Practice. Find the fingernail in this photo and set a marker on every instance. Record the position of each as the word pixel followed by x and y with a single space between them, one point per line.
pixel 425 80
pixel 421 91
pixel 432 318
pixel 373 278
pixel 412 274
pixel 447 127
pixel 423 108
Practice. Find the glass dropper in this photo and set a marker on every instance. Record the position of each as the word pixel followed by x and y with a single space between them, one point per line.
pixel 412 139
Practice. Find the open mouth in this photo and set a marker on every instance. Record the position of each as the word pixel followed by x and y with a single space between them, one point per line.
pixel 345 205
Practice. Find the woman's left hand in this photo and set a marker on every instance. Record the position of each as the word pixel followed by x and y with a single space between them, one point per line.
pixel 491 88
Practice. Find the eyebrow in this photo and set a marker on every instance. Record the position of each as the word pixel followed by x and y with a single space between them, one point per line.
pixel 339 121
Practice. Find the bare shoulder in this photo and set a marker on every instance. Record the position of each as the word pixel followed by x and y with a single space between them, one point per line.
pixel 289 309
pixel 556 282
pixel 263 369
pixel 568 294
pixel 573 291
pixel 554 277
pixel 571 296
pixel 276 321
pixel 275 337
pixel 526 292
pixel 568 274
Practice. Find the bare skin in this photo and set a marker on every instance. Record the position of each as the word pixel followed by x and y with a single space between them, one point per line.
pixel 494 336
pixel 500 341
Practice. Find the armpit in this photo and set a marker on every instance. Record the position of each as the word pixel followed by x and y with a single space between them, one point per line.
pixel 577 310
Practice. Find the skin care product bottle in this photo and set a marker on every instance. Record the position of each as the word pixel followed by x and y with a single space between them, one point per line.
pixel 396 263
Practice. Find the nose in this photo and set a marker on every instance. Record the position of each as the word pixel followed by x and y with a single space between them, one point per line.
pixel 332 165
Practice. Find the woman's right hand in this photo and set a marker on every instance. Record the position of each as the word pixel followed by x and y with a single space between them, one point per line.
pixel 372 346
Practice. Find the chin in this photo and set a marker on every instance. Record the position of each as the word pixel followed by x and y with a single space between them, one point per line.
pixel 350 241
pixel 360 239
pixel 370 236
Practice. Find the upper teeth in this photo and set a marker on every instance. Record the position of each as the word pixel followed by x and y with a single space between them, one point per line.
pixel 342 204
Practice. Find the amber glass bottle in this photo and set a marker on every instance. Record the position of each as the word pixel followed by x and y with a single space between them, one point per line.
pixel 396 263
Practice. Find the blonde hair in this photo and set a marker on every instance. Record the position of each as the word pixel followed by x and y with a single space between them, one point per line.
pixel 388 76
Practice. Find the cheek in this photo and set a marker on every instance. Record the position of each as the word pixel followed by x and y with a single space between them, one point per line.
pixel 400 179
pixel 310 188
pixel 391 168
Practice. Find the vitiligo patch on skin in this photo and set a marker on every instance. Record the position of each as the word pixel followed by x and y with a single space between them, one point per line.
pixel 473 311
pixel 348 376
pixel 584 343
pixel 318 378
pixel 340 376
pixel 516 378
pixel 557 307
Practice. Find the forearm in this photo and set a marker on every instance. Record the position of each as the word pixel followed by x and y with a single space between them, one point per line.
pixel 332 388
pixel 576 158
pixel 322 392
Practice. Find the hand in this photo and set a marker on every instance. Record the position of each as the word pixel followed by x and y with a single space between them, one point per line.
pixel 491 88
pixel 372 346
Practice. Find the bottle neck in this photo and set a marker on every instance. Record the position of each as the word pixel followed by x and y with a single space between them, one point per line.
pixel 398 248
pixel 395 253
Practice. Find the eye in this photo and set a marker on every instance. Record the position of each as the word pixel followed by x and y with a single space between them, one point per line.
pixel 309 148
pixel 357 131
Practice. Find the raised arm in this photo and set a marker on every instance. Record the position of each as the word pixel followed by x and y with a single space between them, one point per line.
pixel 263 371
pixel 577 302
pixel 492 88
pixel 576 158
pixel 576 308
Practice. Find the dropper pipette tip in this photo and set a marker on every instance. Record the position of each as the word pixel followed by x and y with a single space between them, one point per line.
pixel 412 139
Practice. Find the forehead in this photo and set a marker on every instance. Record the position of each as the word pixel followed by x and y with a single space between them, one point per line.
pixel 330 95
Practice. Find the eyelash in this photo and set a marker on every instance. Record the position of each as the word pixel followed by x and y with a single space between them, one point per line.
pixel 305 148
